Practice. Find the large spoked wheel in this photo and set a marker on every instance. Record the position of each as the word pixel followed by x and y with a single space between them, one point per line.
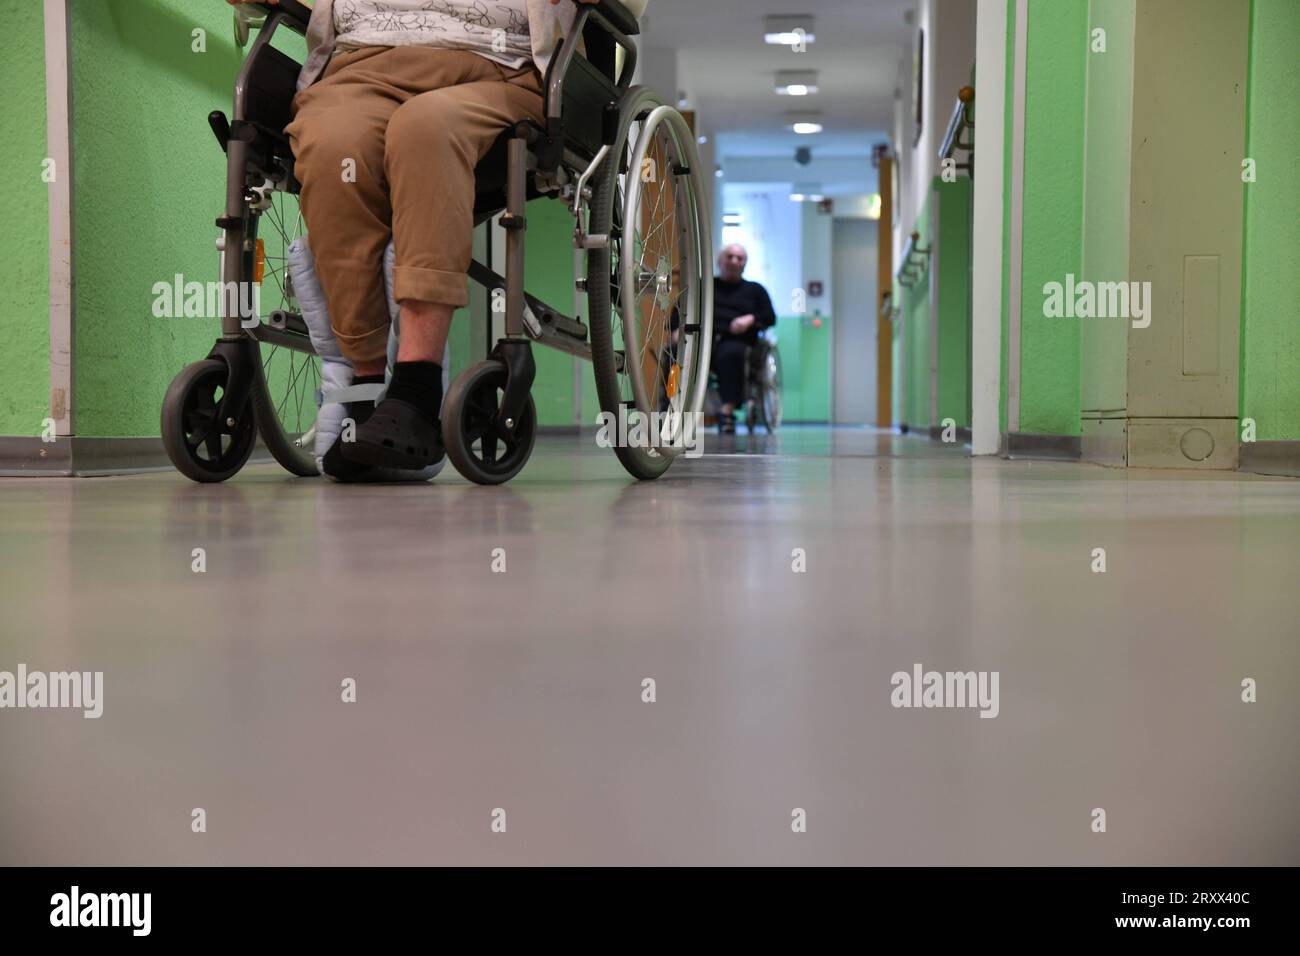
pixel 650 291
pixel 772 404
pixel 767 392
pixel 201 445
pixel 479 447
pixel 285 386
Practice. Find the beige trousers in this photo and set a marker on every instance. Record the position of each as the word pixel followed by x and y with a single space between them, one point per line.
pixel 385 145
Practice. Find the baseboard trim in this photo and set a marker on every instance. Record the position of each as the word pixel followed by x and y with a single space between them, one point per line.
pixel 99 457
pixel 962 435
pixel 27 457
pixel 1271 458
pixel 24 457
pixel 1050 447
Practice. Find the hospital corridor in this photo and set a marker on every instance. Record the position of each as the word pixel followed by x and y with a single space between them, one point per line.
pixel 658 433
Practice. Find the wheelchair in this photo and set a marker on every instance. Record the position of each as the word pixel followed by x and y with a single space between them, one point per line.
pixel 624 163
pixel 762 404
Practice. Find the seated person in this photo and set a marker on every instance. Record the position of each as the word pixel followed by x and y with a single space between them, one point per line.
pixel 741 310
pixel 398 102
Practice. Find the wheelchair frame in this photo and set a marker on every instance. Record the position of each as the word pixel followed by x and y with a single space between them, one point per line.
pixel 552 153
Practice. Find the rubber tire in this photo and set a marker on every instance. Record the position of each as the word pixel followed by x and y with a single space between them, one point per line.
pixel 454 426
pixel 773 422
pixel 639 463
pixel 173 426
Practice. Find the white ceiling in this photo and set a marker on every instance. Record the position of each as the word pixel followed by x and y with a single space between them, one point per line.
pixel 730 72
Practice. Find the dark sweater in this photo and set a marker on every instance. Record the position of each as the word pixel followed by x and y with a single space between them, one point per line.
pixel 734 299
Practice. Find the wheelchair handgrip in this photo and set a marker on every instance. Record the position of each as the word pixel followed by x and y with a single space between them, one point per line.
pixel 299 13
pixel 619 17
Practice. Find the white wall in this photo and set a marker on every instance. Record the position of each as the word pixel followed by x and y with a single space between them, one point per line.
pixel 949 27
pixel 816 253
pixel 772 234
pixel 986 279
pixel 853 322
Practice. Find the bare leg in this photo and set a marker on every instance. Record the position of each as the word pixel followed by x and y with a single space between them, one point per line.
pixel 371 368
pixel 425 326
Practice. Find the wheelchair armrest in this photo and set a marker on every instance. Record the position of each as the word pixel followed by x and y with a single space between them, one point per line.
pixel 618 25
pixel 298 14
pixel 618 16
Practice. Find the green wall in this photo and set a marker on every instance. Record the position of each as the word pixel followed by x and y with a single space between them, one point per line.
pixel 954 245
pixel 913 356
pixel 548 274
pixel 1103 355
pixel 805 367
pixel 1052 228
pixel 149 185
pixel 1270 340
pixel 942 225
pixel 25 262
pixel 1008 117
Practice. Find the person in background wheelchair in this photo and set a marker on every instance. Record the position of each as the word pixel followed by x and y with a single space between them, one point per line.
pixel 398 101
pixel 741 310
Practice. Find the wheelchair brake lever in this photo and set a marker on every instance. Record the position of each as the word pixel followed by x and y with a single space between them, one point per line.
pixel 586 175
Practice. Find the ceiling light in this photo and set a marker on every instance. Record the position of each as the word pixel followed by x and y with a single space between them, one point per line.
pixel 788 31
pixel 805 124
pixel 796 82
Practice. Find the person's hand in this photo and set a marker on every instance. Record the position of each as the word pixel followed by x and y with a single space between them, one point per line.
pixel 741 324
pixel 556 3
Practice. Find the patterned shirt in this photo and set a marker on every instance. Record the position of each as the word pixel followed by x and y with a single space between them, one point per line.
pixel 495 29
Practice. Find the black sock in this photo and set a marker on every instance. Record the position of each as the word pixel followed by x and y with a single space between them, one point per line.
pixel 334 463
pixel 418 384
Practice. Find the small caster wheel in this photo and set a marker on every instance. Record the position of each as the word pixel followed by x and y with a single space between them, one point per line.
pixel 201 447
pixel 482 449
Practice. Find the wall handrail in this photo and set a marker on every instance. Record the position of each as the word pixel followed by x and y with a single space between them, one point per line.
pixel 961 130
pixel 915 259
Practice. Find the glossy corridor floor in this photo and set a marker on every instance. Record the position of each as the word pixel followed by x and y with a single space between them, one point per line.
pixel 521 691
